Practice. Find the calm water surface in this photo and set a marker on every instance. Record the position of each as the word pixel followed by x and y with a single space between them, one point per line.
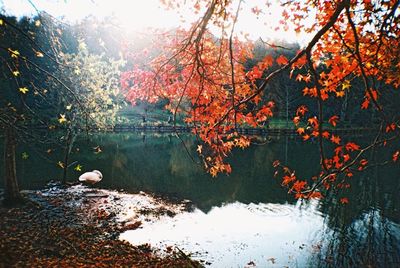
pixel 245 218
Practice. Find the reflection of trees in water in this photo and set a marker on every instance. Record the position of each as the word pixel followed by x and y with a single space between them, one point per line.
pixel 370 241
pixel 366 231
pixel 180 164
pixel 161 165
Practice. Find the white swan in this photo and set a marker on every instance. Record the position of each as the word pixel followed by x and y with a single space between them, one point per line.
pixel 91 177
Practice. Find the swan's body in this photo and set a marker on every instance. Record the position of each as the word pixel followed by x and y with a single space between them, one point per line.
pixel 91 177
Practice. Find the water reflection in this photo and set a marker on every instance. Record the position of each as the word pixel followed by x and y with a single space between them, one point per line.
pixel 370 241
pixel 237 234
pixel 245 215
pixel 161 165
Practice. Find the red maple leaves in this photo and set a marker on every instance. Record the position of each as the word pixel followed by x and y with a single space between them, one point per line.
pixel 204 78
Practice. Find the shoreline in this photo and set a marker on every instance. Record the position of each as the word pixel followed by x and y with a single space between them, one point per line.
pixel 80 226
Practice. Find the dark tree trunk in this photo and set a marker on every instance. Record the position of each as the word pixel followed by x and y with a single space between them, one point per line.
pixel 69 143
pixel 11 194
pixel 66 156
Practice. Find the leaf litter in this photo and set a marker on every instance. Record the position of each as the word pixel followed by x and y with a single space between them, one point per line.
pixel 79 226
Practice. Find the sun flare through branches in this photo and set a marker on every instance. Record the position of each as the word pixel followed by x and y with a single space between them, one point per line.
pixel 218 83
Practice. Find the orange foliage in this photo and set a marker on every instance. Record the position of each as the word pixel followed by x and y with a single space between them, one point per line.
pixel 204 78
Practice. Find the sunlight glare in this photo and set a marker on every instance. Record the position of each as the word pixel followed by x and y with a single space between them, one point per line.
pixel 138 15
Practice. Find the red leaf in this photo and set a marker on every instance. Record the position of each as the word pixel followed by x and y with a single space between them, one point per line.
pixel 288 179
pixel 333 120
pixel 325 134
pixel 306 137
pixel 396 156
pixel 301 110
pixel 256 10
pixel 296 120
pixel 338 149
pixel 390 127
pixel 282 60
pixel 374 94
pixel 365 104
pixel 313 121
pixel 316 195
pixel 276 163
pixel 344 200
pixel 300 130
pixel 335 139
pixel 351 146
pixel 298 186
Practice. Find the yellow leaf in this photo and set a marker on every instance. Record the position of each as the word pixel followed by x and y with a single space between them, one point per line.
pixel 78 168
pixel 199 148
pixel 14 53
pixel 15 73
pixel 23 90
pixel 1 22
pixel 39 54
pixel 60 164
pixel 69 107
pixel 62 119
pixel 77 71
pixel 37 23
pixel 346 84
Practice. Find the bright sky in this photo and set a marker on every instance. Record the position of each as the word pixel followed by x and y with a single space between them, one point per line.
pixel 139 14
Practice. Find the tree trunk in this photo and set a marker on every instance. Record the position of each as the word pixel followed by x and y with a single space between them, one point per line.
pixel 11 194
pixel 69 143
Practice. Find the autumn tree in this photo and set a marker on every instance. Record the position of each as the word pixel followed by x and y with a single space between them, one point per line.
pixel 93 100
pixel 353 47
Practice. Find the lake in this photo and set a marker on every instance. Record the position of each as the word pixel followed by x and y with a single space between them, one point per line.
pixel 246 218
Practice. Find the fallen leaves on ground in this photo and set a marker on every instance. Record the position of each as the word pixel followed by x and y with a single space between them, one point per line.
pixel 49 233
